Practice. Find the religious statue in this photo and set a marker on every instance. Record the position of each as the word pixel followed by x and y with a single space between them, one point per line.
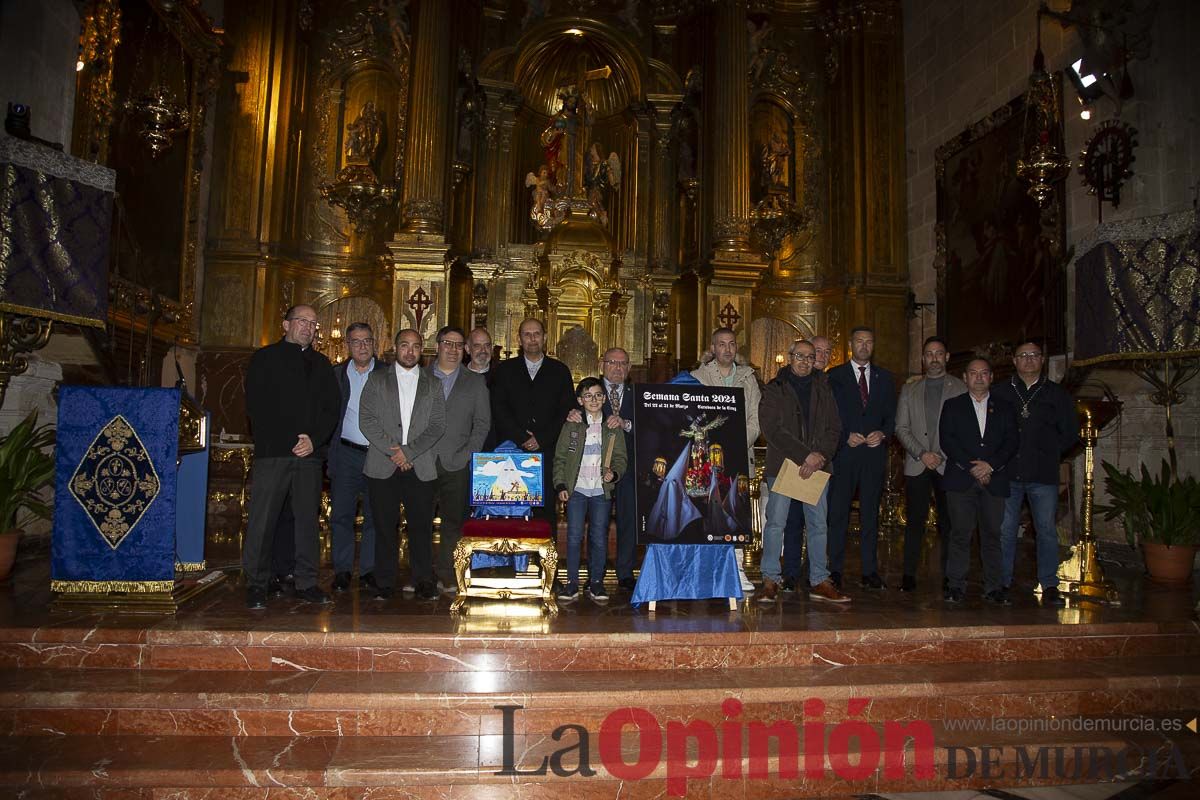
pixel 542 212
pixel 396 12
pixel 602 175
pixel 774 161
pixel 698 477
pixel 364 135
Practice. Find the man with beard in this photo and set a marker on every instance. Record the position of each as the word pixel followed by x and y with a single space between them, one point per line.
pixel 403 414
pixel 292 400
pixel 531 396
pixel 917 417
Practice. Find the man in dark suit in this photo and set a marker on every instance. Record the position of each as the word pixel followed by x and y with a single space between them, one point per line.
pixel 468 420
pixel 347 455
pixel 866 401
pixel 618 413
pixel 531 396
pixel 795 572
pixel 979 436
pixel 292 402
pixel 402 414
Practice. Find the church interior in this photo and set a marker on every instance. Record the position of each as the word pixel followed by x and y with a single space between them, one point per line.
pixel 178 174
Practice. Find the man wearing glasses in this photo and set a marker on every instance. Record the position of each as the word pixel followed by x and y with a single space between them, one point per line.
pixel 292 401
pixel 800 421
pixel 347 455
pixel 1049 428
pixel 468 420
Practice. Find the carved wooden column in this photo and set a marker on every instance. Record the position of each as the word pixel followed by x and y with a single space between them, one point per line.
pixel 429 116
pixel 867 147
pixel 493 201
pixel 663 180
pixel 736 267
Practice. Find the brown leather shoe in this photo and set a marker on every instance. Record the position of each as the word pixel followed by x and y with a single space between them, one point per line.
pixel 825 590
pixel 769 592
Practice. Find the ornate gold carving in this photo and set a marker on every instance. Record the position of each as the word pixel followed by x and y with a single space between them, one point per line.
pixel 542 590
pixel 732 228
pixel 19 335
pixel 427 211
pixel 97 51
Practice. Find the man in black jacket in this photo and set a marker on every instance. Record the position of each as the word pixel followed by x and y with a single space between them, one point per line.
pixel 978 434
pixel 292 400
pixel 531 397
pixel 1049 428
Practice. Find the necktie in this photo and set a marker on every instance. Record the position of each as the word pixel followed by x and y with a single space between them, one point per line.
pixel 614 398
pixel 862 385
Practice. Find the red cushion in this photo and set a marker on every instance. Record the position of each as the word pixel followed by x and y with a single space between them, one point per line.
pixel 503 528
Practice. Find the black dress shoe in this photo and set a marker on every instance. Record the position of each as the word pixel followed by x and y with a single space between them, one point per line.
pixel 313 594
pixel 256 599
pixel 908 584
pixel 1053 597
pixel 341 581
pixel 366 581
pixel 627 584
pixel 275 587
pixel 382 592
pixel 999 597
pixel 426 590
pixel 836 577
pixel 873 581
pixel 788 586
pixel 954 595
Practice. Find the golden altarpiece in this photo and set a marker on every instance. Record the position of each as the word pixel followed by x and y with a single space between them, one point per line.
pixel 632 173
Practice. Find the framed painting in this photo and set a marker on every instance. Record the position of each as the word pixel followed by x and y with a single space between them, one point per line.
pixel 999 256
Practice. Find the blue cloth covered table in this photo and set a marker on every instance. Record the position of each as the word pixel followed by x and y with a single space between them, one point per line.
pixel 687 572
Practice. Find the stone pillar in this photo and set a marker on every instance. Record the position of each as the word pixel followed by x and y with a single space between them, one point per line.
pixel 736 267
pixel 429 115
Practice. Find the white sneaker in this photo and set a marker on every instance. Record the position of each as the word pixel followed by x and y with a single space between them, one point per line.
pixel 449 591
pixel 408 588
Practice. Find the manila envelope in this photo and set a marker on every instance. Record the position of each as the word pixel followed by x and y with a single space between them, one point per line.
pixel 789 483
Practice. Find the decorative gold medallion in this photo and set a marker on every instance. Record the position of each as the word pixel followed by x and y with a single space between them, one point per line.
pixel 115 481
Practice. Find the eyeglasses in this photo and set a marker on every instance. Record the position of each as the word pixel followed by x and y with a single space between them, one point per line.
pixel 453 345
pixel 798 357
pixel 1029 355
pixel 617 363
pixel 310 323
pixel 362 342
pixel 593 396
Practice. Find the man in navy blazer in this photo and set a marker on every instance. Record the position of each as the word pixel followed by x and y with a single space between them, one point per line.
pixel 866 402
pixel 347 454
pixel 979 435
pixel 614 365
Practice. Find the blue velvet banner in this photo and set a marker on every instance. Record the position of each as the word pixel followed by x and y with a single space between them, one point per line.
pixel 687 572
pixel 191 506
pixel 114 490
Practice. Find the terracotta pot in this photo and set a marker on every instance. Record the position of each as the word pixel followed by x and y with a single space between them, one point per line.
pixel 8 551
pixel 1171 564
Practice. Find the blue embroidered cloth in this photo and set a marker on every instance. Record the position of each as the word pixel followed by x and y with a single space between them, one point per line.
pixel 687 572
pixel 114 489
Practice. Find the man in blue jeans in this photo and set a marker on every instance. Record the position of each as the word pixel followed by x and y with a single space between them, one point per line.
pixel 1049 428
pixel 800 421
pixel 793 533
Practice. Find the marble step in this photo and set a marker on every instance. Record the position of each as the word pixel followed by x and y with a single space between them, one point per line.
pixel 449 766
pixel 649 646
pixel 347 704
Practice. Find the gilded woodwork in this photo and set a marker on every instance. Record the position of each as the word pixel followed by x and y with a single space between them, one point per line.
pixel 540 589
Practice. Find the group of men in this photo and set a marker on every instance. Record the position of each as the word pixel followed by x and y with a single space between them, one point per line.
pixel 403 434
pixel 977 450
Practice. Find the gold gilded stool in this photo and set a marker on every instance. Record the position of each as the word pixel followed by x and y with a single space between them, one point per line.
pixel 506 536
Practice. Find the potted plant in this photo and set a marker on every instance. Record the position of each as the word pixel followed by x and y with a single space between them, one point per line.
pixel 1161 513
pixel 26 468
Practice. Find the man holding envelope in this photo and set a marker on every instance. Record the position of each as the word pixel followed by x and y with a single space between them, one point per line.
pixel 800 421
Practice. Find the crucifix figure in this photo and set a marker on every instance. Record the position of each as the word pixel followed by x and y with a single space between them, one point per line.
pixel 563 132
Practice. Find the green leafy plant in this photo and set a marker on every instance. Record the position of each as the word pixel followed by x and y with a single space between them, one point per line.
pixel 1160 510
pixel 25 469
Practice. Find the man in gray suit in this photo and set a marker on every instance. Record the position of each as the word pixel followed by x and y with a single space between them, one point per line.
pixel 403 414
pixel 468 419
pixel 917 417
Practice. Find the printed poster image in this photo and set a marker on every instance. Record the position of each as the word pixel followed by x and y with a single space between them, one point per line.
pixel 506 479
pixel 693 484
